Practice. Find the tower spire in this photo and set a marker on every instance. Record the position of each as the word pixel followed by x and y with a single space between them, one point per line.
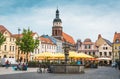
pixel 57 13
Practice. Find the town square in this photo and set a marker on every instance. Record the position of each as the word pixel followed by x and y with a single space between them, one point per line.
pixel 59 39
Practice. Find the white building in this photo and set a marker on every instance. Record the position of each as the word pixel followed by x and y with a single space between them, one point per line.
pixel 37 50
pixel 47 45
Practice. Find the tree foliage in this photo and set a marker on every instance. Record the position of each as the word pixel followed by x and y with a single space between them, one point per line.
pixel 26 43
pixel 2 39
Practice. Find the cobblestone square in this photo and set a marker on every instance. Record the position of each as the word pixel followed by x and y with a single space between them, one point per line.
pixel 100 73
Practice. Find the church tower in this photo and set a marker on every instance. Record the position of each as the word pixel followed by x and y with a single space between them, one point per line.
pixel 57 27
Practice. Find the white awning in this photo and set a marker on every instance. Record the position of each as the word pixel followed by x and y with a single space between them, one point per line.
pixel 104 58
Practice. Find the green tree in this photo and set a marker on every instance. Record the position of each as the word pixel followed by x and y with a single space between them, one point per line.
pixel 2 39
pixel 26 43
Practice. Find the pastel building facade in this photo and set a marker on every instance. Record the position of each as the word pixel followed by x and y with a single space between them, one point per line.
pixel 38 49
pixel 116 46
pixel 57 42
pixel 47 45
pixel 87 47
pixel 105 50
pixel 8 48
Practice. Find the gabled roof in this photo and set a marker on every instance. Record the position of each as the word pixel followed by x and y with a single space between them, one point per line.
pixel 68 38
pixel 101 40
pixel 21 35
pixel 17 35
pixel 3 29
pixel 116 37
pixel 54 40
pixel 46 40
pixel 108 42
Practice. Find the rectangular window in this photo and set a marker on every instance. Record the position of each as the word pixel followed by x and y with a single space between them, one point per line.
pixel 103 48
pixel 89 53
pixel 5 47
pixel 105 53
pixel 13 48
pixel 42 46
pixel 119 47
pixel 89 46
pixel 35 51
pixel 10 48
pixel 93 53
pixel 10 39
pixel 110 53
pixel 100 53
pixel 38 51
pixel 85 46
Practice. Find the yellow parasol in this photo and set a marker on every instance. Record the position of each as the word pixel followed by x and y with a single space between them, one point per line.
pixel 83 55
pixel 73 54
pixel 59 55
pixel 44 55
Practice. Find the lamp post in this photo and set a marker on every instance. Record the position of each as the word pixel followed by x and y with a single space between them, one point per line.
pixel 18 42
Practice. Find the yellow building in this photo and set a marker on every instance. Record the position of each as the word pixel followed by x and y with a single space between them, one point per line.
pixel 116 46
pixel 8 48
pixel 22 55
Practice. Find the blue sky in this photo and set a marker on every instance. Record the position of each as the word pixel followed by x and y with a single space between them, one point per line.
pixel 80 18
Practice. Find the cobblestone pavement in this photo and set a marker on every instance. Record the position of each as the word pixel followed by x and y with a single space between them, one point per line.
pixel 100 73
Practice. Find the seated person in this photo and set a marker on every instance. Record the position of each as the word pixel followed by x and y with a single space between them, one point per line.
pixel 19 66
pixel 24 67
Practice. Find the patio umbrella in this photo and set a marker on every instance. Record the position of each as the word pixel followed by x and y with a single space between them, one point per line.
pixel 58 55
pixel 104 58
pixel 44 55
pixel 73 54
pixel 83 55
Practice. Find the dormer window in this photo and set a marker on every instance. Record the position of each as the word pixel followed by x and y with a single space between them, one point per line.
pixel 117 41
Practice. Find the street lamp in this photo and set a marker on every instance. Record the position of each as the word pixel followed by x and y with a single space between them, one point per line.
pixel 18 42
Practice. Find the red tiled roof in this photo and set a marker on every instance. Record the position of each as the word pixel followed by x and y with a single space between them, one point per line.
pixel 68 38
pixel 87 41
pixel 17 35
pixel 46 40
pixel 20 35
pixel 34 33
pixel 3 29
pixel 116 36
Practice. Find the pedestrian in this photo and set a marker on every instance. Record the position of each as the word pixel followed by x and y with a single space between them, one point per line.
pixel 7 64
pixel 39 70
pixel 78 62
pixel 119 64
pixel 116 64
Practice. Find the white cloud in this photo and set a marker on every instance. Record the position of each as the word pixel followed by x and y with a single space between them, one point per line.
pixel 78 20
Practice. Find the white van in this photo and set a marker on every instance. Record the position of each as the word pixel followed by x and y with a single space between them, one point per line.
pixel 11 61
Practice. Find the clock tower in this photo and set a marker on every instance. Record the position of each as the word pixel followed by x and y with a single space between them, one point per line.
pixel 57 27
